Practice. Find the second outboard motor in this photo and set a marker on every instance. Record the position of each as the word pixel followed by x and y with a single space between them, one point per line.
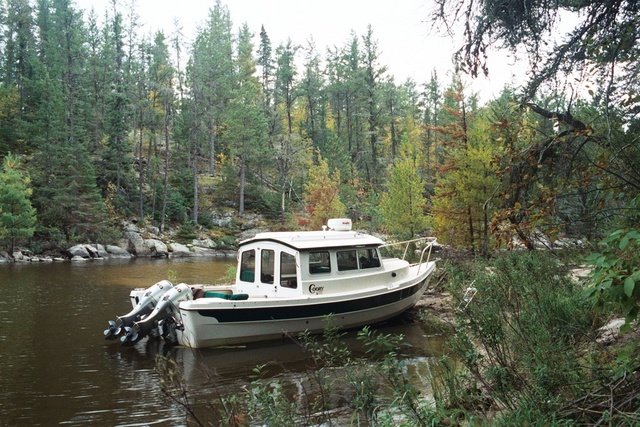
pixel 167 307
pixel 145 305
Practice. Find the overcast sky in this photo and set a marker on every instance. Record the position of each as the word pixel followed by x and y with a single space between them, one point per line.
pixel 408 46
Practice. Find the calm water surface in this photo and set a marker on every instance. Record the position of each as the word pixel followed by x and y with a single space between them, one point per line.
pixel 56 368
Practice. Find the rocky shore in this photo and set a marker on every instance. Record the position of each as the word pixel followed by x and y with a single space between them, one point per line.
pixel 135 242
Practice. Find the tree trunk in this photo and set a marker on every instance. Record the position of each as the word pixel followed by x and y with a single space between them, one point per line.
pixel 212 151
pixel 195 164
pixel 141 169
pixel 243 173
pixel 165 182
pixel 471 232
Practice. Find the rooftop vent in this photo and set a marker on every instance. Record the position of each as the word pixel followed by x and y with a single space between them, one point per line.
pixel 339 224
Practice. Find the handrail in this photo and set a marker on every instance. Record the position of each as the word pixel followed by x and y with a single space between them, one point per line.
pixel 432 241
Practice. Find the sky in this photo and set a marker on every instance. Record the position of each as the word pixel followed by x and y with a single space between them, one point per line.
pixel 408 47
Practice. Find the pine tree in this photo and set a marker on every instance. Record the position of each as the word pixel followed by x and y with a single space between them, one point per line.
pixel 448 204
pixel 247 123
pixel 312 90
pixel 403 205
pixel 285 142
pixel 69 204
pixel 17 215
pixel 116 162
pixel 373 74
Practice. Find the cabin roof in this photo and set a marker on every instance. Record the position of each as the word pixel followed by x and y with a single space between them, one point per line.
pixel 302 240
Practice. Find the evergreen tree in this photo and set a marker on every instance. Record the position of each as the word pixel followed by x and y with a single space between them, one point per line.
pixel 17 215
pixel 20 73
pixel 403 206
pixel 116 161
pixel 161 74
pixel 432 111
pixel 217 76
pixel 448 204
pixel 312 90
pixel 373 76
pixel 246 122
pixel 94 80
pixel 266 66
pixel 286 143
pixel 69 204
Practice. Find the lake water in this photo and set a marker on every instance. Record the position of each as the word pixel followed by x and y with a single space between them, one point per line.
pixel 57 369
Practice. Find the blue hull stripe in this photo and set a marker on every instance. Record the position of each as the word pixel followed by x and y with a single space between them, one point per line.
pixel 250 314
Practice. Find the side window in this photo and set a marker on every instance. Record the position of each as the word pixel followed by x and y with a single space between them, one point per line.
pixel 347 260
pixel 319 262
pixel 267 265
pixel 248 266
pixel 288 273
pixel 368 258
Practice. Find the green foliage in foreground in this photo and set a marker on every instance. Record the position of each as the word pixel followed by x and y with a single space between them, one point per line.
pixel 525 347
pixel 616 278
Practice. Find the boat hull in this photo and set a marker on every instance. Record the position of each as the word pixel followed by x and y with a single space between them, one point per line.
pixel 248 321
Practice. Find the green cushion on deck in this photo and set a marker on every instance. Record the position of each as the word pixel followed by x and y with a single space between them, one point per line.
pixel 211 294
pixel 233 297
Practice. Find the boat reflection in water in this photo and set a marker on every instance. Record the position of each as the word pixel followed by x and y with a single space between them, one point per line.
pixel 212 374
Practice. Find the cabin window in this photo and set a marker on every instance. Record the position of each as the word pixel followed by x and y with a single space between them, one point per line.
pixel 368 258
pixel 248 266
pixel 288 273
pixel 347 260
pixel 267 266
pixel 319 262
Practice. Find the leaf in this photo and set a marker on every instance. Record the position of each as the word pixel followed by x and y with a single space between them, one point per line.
pixel 629 285
pixel 633 234
pixel 606 284
pixel 624 242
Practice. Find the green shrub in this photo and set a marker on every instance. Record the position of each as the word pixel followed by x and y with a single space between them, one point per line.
pixel 521 334
pixel 615 283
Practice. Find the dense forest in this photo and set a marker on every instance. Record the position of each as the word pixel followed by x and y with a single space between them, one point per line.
pixel 100 122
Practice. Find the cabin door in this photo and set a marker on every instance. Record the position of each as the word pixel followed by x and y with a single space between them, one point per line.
pixel 279 270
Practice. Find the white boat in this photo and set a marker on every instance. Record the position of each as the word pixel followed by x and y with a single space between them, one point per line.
pixel 286 283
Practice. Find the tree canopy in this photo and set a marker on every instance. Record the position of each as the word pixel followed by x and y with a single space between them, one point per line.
pixel 111 123
pixel 17 215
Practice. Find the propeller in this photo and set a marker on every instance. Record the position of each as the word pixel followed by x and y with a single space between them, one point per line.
pixel 130 335
pixel 112 331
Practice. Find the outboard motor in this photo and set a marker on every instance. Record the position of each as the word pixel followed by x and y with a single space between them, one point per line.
pixel 166 308
pixel 145 305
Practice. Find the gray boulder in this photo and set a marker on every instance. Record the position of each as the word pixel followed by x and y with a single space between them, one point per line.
pixel 156 248
pixel 135 244
pixel 205 243
pixel 179 250
pixel 117 252
pixel 18 256
pixel 153 230
pixel 609 332
pixel 97 251
pixel 79 251
pixel 221 220
pixel 131 228
pixel 200 251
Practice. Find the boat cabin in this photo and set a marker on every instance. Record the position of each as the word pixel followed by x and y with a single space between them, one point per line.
pixel 287 264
